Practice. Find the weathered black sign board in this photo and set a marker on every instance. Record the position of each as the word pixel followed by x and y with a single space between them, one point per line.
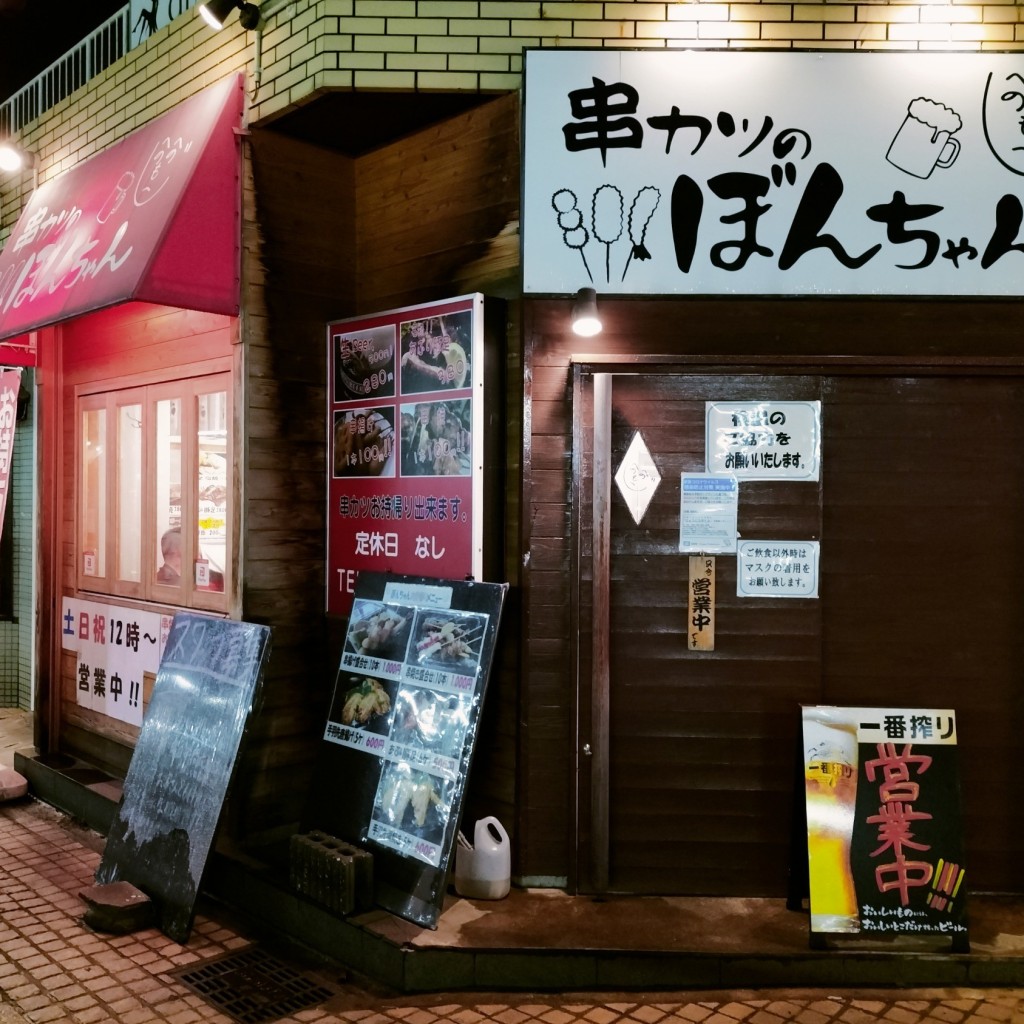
pixel 401 730
pixel 884 833
pixel 179 773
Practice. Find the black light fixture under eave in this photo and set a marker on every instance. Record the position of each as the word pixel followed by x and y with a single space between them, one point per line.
pixel 585 319
pixel 216 12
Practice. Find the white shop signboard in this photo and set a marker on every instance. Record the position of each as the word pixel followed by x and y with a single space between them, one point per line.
pixel 773 173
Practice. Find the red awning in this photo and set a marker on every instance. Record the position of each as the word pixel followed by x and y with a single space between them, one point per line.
pixel 154 218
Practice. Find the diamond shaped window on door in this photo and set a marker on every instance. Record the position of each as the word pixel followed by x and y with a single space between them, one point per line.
pixel 637 478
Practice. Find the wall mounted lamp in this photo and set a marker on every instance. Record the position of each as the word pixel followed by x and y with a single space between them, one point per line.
pixel 216 12
pixel 14 158
pixel 585 319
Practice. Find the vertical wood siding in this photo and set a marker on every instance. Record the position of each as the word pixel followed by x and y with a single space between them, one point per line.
pixel 333 237
pixel 300 261
pixel 932 382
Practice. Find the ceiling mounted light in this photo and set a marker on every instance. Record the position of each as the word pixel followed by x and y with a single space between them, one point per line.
pixel 216 12
pixel 12 158
pixel 585 320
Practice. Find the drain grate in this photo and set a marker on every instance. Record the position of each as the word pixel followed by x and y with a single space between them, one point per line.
pixel 252 987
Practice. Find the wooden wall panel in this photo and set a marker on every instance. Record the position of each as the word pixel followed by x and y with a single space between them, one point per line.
pixel 434 204
pixel 894 346
pixel 334 237
pixel 299 267
pixel 925 478
pixel 139 338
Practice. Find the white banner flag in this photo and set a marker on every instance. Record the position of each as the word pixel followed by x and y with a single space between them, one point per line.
pixel 10 382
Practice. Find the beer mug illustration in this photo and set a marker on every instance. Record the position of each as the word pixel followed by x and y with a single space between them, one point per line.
pixel 925 139
pixel 116 197
pixel 830 781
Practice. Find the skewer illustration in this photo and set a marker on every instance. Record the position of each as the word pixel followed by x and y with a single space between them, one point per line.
pixel 570 220
pixel 644 205
pixel 606 220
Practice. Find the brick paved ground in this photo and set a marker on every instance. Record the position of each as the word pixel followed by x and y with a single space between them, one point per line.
pixel 53 968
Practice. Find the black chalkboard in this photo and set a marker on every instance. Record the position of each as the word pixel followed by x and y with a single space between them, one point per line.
pixel 178 777
pixel 401 729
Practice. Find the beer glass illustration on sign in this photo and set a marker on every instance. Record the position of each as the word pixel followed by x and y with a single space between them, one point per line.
pixel 925 139
pixel 116 197
pixel 830 781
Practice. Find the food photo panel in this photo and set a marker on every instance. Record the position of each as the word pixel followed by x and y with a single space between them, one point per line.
pixel 361 712
pixel 449 641
pixel 377 638
pixel 411 812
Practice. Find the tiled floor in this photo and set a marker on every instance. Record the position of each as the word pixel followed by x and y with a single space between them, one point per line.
pixel 54 968
pixel 15 733
pixel 764 1009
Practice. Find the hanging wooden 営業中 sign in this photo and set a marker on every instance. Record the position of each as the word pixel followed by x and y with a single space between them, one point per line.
pixel 700 610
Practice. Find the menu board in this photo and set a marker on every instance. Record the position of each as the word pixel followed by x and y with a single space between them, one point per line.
pixel 178 778
pixel 401 728
pixel 884 835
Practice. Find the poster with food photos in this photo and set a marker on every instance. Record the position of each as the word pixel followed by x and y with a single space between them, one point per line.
pixel 405 444
pixel 401 728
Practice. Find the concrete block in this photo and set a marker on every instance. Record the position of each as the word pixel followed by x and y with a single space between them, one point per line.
pixel 332 872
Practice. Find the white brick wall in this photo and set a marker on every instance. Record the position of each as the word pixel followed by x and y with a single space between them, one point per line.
pixel 473 45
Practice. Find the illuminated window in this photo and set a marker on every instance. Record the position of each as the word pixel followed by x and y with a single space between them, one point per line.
pixel 154 501
pixel 92 506
pixel 129 492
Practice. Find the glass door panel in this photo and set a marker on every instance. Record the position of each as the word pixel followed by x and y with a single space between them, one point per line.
pixel 129 493
pixel 93 523
pixel 167 567
pixel 211 490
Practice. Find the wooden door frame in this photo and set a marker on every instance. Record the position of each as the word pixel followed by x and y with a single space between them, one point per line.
pixel 592 698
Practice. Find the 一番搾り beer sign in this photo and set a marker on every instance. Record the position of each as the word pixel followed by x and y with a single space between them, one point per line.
pixel 773 173
pixel 884 836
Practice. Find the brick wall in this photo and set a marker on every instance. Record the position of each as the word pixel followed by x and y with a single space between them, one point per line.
pixel 475 45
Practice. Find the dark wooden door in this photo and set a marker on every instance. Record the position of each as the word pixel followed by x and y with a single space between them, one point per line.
pixel 922 591
pixel 686 766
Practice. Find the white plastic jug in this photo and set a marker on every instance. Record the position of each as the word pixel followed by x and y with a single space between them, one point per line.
pixel 484 871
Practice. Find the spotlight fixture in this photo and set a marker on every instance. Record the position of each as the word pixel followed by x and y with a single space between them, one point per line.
pixel 12 158
pixel 215 13
pixel 585 320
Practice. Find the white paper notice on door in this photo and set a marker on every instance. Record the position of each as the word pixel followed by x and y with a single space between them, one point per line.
pixel 764 440
pixel 707 518
pixel 777 568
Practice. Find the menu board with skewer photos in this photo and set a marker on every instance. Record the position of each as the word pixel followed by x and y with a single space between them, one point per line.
pixel 401 728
